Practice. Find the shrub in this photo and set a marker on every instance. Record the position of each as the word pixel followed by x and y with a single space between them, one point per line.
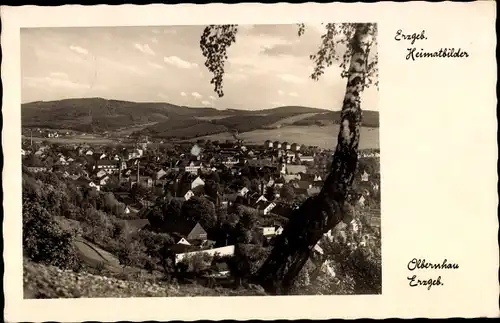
pixel 99 227
pixel 131 254
pixel 44 240
pixel 197 263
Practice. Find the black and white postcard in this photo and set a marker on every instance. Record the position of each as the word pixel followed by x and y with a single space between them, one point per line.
pixel 239 161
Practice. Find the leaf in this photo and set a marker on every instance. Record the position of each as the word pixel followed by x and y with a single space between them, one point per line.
pixel 214 43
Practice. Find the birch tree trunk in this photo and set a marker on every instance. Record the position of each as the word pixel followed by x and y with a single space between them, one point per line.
pixel 327 209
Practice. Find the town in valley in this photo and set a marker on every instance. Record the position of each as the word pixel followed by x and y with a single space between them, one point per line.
pixel 176 161
pixel 195 199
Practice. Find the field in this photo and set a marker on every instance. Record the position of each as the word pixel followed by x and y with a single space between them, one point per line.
pixel 324 137
pixel 129 130
pixel 292 119
pixel 90 139
pixel 209 118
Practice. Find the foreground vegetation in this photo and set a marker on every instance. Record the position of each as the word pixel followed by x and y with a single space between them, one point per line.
pixel 86 234
pixel 45 281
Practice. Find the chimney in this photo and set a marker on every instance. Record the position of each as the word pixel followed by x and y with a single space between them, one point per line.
pixel 138 170
pixel 262 187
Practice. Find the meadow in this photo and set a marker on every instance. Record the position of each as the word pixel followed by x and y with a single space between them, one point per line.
pixel 324 137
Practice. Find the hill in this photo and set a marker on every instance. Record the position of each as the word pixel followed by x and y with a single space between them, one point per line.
pixel 166 120
pixel 97 114
pixel 182 128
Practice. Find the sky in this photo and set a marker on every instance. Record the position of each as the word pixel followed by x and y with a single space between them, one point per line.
pixel 268 66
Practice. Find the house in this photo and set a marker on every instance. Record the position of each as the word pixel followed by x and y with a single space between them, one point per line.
pixel 136 153
pixel 146 181
pixel 304 185
pixel 35 166
pixel 261 198
pixel 222 251
pixel 193 167
pixel 361 201
pixel 192 232
pixel 243 192
pixel 94 185
pixel 306 177
pixel 268 231
pixel 266 207
pixel 270 183
pixel 228 199
pixel 295 147
pixel 313 190
pixel 104 180
pixel 230 161
pixel 318 249
pixel 189 194
pixel 197 184
pixel 295 169
pixel 62 160
pixel 327 268
pixel 306 159
pixel 160 174
pixel 36 169
pixel 184 242
pixel 269 208
pixel 287 178
pixel 107 165
pixel 101 173
pixel 271 231
pixel 355 225
pixel 365 176
pixel 261 163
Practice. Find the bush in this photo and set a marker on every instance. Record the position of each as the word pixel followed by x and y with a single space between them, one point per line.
pixel 197 263
pixel 98 228
pixel 44 240
pixel 132 254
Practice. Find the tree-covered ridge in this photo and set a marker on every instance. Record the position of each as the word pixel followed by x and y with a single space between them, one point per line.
pixel 163 120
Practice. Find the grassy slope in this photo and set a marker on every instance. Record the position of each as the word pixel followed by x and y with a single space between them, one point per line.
pixel 292 119
pixel 324 137
pixel 50 282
